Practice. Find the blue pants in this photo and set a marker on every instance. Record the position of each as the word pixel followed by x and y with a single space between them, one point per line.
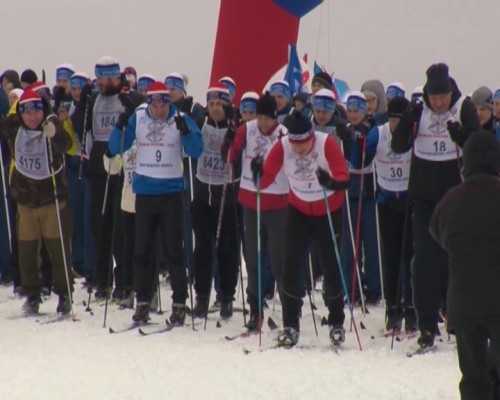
pixel 79 202
pixel 368 249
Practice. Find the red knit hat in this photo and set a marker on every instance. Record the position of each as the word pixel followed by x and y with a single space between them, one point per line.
pixel 158 93
pixel 30 101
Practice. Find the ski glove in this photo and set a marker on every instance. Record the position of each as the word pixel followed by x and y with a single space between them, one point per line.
pixel 326 181
pixel 228 111
pixel 59 94
pixel 414 111
pixel 361 130
pixel 49 126
pixel 344 132
pixel 123 119
pixel 112 164
pixel 181 125
pixel 86 93
pixel 186 105
pixel 455 130
pixel 256 167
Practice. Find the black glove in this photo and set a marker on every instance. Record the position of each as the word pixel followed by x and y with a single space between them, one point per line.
pixel 344 132
pixel 181 125
pixel 123 119
pixel 361 129
pixel 256 167
pixel 228 111
pixel 230 134
pixel 324 178
pixel 86 93
pixel 455 130
pixel 59 95
pixel 414 111
pixel 186 105
pixel 126 102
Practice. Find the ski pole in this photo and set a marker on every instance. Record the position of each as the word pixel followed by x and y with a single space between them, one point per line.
pixel 339 264
pixel 6 200
pixel 61 237
pixel 259 260
pixel 84 139
pixel 379 245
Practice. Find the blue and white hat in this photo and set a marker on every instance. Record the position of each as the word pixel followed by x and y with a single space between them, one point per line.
pixel 78 80
pixel 230 85
pixel 144 81
pixel 356 101
pixel 248 102
pixel 496 94
pixel 175 80
pixel 64 72
pixel 280 87
pixel 418 93
pixel 395 89
pixel 324 99
pixel 218 93
pixel 107 67
pixel 158 93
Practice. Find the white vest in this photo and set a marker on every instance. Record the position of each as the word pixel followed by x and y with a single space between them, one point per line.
pixel 211 167
pixel 433 142
pixel 301 171
pixel 259 144
pixel 31 155
pixel 105 115
pixel 158 147
pixel 393 170
pixel 129 166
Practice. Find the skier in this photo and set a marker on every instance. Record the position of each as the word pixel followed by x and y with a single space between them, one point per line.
pixel 248 106
pixel 32 187
pixel 253 139
pixel 280 90
pixel 483 100
pixel 312 162
pixel 393 171
pixel 436 130
pixel 161 135
pixel 176 85
pixel 376 104
pixel 466 223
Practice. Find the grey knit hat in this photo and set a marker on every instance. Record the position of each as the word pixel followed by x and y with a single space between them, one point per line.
pixel 483 97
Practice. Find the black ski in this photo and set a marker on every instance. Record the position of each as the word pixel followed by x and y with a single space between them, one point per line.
pixel 244 334
pixel 50 319
pixel 166 328
pixel 132 326
pixel 420 351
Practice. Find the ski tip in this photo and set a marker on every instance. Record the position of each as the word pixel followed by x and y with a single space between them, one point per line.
pixel 271 324
pixel 111 330
pixel 142 332
pixel 324 321
pixel 218 324
pixel 362 325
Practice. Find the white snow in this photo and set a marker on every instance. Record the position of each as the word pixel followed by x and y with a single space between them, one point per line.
pixel 81 360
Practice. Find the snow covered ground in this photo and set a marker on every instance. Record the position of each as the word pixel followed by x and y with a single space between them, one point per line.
pixel 81 360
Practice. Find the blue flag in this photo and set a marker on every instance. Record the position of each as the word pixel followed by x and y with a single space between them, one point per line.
pixel 293 74
pixel 299 8
pixel 317 68
pixel 342 88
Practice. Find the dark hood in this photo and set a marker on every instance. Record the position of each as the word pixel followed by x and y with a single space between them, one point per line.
pixel 481 154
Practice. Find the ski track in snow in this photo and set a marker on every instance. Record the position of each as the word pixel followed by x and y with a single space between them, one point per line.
pixel 81 360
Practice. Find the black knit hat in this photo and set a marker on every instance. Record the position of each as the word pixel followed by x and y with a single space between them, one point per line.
pixel 396 107
pixel 481 154
pixel 324 79
pixel 438 79
pixel 266 105
pixel 29 76
pixel 299 127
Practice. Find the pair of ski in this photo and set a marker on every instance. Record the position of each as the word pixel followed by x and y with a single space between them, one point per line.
pixel 246 333
pixel 334 347
pixel 140 327
pixel 399 336
pixel 50 319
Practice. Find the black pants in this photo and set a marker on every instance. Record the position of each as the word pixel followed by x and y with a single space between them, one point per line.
pixel 272 234
pixel 204 218
pixel 165 211
pixel 430 269
pixel 392 232
pixel 300 229
pixel 103 225
pixel 472 347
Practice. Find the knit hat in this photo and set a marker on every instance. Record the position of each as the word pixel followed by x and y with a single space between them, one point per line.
pixel 175 81
pixel 41 88
pixel 481 154
pixel 230 85
pixel 483 97
pixel 324 99
pixel 280 87
pixel 78 80
pixel 496 95
pixel 158 93
pixel 417 93
pixel 218 92
pixel 438 79
pixel 266 105
pixel 12 76
pixel 64 72
pixel 29 76
pixel 324 79
pixel 395 89
pixel 299 127
pixel 396 107
pixel 107 67
pixel 30 101
pixel 248 102
pixel 144 81
pixel 356 101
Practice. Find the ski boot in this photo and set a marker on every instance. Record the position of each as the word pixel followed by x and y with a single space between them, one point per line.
pixel 288 338
pixel 141 315
pixel 426 339
pixel 393 318
pixel 337 335
pixel 32 305
pixel 127 301
pixel 200 308
pixel 178 315
pixel 226 310
pixel 410 320
pixel 64 305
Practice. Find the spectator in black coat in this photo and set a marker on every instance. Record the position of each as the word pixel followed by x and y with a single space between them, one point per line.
pixel 466 223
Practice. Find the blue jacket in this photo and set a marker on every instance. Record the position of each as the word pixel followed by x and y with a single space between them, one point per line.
pixel 192 144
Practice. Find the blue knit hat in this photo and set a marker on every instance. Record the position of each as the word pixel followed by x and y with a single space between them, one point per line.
pixel 248 102
pixel 175 81
pixel 324 99
pixel 107 67
pixel 280 87
pixel 144 81
pixel 356 101
pixel 64 72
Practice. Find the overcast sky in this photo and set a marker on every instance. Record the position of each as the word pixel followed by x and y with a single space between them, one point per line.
pixel 392 40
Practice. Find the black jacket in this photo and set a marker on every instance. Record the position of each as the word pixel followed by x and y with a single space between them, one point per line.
pixel 466 223
pixel 429 180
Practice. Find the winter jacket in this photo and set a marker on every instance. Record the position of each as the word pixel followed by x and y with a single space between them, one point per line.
pixel 429 180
